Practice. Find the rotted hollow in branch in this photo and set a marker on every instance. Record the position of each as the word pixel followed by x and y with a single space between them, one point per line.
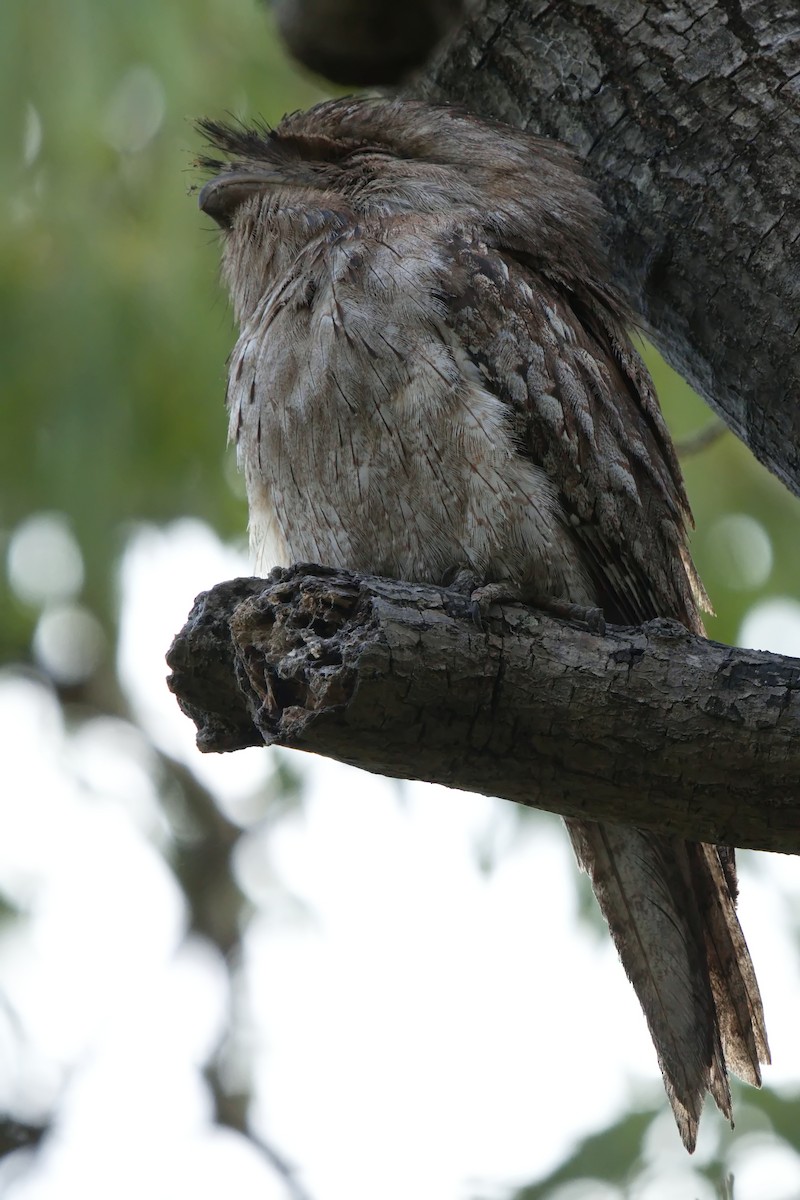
pixel 650 727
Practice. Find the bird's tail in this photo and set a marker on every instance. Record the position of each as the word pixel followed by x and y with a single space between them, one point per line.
pixel 670 909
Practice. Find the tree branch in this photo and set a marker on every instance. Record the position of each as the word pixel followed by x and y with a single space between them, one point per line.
pixel 651 727
pixel 363 42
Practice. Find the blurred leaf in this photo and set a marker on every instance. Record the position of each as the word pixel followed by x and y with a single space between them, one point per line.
pixel 611 1155
pixel 726 478
pixel 8 910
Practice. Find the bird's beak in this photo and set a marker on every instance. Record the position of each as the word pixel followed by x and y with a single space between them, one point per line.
pixel 221 196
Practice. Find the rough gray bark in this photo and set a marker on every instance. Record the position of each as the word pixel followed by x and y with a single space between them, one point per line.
pixel 652 727
pixel 687 115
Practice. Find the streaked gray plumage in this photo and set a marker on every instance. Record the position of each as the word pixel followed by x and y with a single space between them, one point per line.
pixel 433 377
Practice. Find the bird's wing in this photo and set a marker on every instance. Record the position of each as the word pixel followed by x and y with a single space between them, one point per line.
pixel 582 406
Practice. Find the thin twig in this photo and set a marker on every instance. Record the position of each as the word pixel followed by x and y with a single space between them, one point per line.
pixel 232 1111
pixel 696 442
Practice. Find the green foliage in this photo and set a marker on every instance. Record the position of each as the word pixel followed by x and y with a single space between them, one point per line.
pixel 723 480
pixel 622 1156
pixel 114 329
pixel 611 1155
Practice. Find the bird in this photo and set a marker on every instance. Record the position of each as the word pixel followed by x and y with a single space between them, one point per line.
pixel 434 381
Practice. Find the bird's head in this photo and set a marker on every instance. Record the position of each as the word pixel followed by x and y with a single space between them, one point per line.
pixel 375 157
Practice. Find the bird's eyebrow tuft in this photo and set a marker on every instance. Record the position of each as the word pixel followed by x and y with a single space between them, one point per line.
pixel 261 142
pixel 235 138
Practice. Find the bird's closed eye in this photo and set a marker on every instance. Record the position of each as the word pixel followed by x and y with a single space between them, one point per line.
pixel 367 152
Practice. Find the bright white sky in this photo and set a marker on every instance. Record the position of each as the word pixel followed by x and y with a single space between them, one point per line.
pixel 416 1028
